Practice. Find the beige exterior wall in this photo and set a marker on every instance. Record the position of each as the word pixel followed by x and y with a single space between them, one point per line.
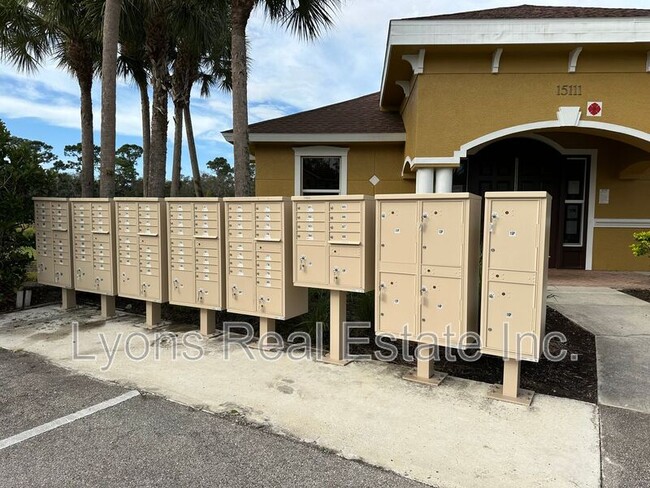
pixel 458 99
pixel 275 167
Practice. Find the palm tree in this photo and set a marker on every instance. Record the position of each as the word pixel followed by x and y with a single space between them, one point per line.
pixel 306 18
pixel 201 55
pixel 39 28
pixel 110 33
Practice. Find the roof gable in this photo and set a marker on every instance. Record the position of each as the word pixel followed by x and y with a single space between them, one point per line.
pixel 542 12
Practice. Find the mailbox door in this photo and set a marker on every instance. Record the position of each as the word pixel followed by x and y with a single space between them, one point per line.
pixel 311 264
pixel 181 289
pixel 241 295
pixel 208 294
pixel 443 228
pixel 83 274
pixel 510 318
pixel 150 286
pixel 128 281
pixel 345 272
pixel 514 236
pixel 269 300
pixel 441 314
pixel 396 299
pixel 398 223
pixel 102 281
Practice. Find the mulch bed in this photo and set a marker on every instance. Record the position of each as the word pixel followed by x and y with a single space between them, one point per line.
pixel 641 294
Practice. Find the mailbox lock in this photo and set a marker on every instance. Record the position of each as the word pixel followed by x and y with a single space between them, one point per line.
pixel 97 281
pixel 144 289
pixel 423 290
pixel 303 260
pixel 234 290
pixel 176 283
pixel 200 294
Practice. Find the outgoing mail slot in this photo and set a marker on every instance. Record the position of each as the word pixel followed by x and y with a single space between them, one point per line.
pixel 522 277
pixel 345 251
pixel 442 271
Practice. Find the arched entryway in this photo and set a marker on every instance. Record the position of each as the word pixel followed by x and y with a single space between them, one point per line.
pixel 529 164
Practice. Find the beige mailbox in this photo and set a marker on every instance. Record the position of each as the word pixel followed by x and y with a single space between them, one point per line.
pixel 54 245
pixel 142 252
pixel 513 296
pixel 259 276
pixel 515 267
pixel 333 242
pixel 427 259
pixel 93 240
pixel 196 256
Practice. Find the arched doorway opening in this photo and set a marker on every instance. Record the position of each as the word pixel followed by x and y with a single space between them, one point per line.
pixel 528 164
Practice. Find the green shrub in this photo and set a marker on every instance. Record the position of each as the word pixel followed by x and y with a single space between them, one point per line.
pixel 642 245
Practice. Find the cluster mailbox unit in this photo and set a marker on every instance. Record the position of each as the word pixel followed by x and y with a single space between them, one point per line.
pixel 54 246
pixel 94 249
pixel 196 253
pixel 333 249
pixel 259 278
pixel 515 268
pixel 142 252
pixel 427 254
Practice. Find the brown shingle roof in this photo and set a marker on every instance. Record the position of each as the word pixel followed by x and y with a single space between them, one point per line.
pixel 358 116
pixel 541 12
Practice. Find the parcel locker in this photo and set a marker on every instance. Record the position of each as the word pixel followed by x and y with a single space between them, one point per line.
pixel 427 260
pixel 515 267
pixel 333 242
pixel 260 258
pixel 196 249
pixel 93 236
pixel 142 259
pixel 53 242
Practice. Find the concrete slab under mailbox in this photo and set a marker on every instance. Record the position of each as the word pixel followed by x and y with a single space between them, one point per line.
pixel 452 436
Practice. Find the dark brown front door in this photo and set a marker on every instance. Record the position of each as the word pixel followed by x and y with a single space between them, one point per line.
pixel 529 165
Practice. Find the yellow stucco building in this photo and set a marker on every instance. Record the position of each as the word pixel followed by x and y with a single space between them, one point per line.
pixel 518 98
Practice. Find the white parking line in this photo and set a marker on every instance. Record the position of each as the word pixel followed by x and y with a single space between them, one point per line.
pixel 41 429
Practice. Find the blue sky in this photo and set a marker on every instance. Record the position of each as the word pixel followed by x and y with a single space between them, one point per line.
pixel 286 76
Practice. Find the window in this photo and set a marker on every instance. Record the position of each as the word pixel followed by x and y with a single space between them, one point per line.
pixel 321 170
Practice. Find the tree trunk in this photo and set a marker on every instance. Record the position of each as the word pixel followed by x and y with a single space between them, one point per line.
pixel 178 147
pixel 146 135
pixel 87 138
pixel 158 154
pixel 110 34
pixel 157 48
pixel 241 10
pixel 194 160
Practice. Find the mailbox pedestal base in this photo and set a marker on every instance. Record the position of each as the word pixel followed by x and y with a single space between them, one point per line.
pixel 68 298
pixel 510 391
pixel 207 321
pixel 338 312
pixel 153 314
pixel 425 372
pixel 107 306
pixel 267 326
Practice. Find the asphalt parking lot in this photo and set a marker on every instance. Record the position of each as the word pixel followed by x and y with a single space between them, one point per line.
pixel 147 441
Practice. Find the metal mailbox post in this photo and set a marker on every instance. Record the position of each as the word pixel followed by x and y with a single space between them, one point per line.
pixel 93 236
pixel 259 277
pixel 515 269
pixel 142 252
pixel 427 255
pixel 196 255
pixel 333 249
pixel 54 246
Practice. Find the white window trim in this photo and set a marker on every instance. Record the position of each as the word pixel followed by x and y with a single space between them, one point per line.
pixel 321 151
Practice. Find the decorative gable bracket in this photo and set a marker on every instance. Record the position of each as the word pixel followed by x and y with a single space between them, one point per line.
pixel 416 61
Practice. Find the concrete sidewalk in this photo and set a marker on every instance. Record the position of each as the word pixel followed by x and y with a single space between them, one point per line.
pixel 621 325
pixel 450 436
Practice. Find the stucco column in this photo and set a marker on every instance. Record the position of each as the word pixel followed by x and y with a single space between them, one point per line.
pixel 424 178
pixel 444 180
